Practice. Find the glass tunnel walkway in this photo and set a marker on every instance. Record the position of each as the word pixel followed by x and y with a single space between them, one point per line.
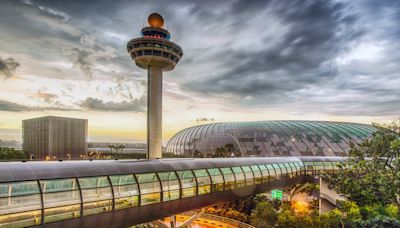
pixel 127 192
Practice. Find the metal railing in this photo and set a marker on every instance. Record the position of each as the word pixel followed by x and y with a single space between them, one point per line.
pixel 221 219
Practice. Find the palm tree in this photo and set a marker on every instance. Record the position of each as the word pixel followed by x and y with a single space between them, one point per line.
pixel 120 148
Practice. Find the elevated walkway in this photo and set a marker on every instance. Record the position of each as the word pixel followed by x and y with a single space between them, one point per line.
pixel 128 192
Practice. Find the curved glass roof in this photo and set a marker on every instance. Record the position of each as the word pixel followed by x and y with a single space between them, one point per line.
pixel 270 138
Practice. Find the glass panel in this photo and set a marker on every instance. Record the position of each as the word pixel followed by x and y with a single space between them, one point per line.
pixel 216 179
pixel 171 195
pixel 170 185
pixel 97 207
pixel 188 183
pixel 56 199
pixel 239 176
pixel 9 205
pixel 149 188
pixel 283 168
pixel 214 172
pixel 62 213
pixel 328 165
pixel 61 199
pixel 203 181
pixel 19 188
pixel 126 192
pixel 58 185
pixel 264 171
pixel 185 174
pixel 204 189
pixel 248 174
pixel 23 219
pixel 229 178
pixel 188 192
pixel 294 167
pixel 200 173
pixel 319 165
pixel 118 180
pixel 277 169
pixel 126 196
pixel 93 182
pixel 20 204
pixel 288 167
pixel 96 195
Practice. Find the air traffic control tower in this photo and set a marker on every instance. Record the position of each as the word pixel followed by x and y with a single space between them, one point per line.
pixel 155 53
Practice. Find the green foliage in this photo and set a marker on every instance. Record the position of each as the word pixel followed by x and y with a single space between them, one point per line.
pixel 331 219
pixel 12 154
pixel 221 152
pixel 264 215
pixel 380 221
pixel 372 175
pixel 391 210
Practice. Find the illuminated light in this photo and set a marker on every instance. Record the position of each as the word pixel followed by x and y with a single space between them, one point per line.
pixel 155 20
pixel 300 206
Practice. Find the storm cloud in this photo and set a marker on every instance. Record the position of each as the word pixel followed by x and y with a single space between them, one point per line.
pixel 329 57
pixel 8 67
pixel 8 106
pixel 94 104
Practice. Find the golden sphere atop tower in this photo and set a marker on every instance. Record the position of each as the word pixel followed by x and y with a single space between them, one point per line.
pixel 155 20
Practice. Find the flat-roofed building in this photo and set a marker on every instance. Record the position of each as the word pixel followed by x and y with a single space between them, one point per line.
pixel 52 137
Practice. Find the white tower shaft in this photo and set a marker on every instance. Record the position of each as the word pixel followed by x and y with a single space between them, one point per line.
pixel 154 112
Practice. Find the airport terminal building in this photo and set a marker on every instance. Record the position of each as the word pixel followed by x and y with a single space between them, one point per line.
pixel 270 138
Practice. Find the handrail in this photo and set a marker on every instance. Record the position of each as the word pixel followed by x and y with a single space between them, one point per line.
pixel 218 218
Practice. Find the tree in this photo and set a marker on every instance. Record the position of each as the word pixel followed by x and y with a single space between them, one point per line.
pixel 332 218
pixel 380 221
pixel 220 152
pixel 372 174
pixel 120 148
pixel 264 215
pixel 7 153
pixel 230 147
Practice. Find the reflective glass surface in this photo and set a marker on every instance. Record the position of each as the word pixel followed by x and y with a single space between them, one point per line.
pixel 126 192
pixel 170 185
pixel 96 195
pixel 188 183
pixel 150 188
pixel 270 138
pixel 20 204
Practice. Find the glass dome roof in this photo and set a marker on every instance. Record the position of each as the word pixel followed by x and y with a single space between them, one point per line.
pixel 270 138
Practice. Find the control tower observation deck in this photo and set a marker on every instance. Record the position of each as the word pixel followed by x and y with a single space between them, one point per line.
pixel 154 52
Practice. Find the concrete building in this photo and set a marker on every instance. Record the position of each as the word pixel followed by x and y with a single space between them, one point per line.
pixel 53 137
pixel 154 53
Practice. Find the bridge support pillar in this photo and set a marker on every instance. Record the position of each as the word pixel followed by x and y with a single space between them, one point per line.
pixel 172 221
pixel 327 197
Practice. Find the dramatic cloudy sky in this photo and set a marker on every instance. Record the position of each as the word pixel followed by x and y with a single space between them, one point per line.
pixel 243 60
